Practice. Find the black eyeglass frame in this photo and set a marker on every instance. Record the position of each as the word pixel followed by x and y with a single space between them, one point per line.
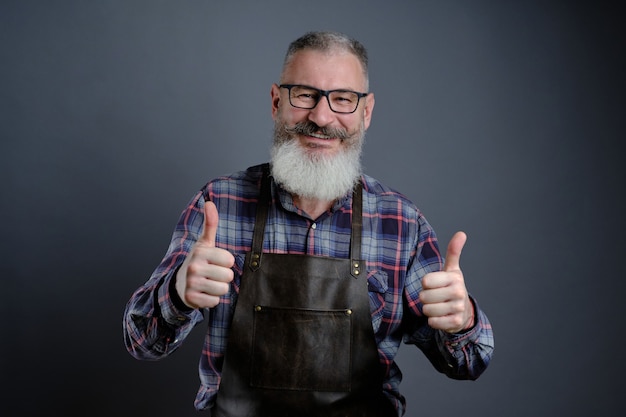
pixel 323 93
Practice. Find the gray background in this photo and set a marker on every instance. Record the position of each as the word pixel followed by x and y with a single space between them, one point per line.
pixel 500 118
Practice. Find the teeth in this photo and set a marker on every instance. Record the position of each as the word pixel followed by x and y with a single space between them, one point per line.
pixel 315 135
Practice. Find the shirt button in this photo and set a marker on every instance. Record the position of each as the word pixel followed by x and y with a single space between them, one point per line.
pixel 314 226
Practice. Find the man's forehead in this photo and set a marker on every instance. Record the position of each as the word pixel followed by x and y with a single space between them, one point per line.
pixel 334 65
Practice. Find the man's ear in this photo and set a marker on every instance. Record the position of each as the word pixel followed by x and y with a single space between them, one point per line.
pixel 369 108
pixel 275 94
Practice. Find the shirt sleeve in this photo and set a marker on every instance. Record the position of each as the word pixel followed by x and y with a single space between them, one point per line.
pixel 154 325
pixel 463 355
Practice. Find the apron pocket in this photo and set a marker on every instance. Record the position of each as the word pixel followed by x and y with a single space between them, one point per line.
pixel 301 349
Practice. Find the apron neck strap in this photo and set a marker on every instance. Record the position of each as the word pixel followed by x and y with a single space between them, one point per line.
pixel 265 198
pixel 356 263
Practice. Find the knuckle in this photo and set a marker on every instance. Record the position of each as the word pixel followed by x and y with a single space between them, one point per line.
pixel 456 322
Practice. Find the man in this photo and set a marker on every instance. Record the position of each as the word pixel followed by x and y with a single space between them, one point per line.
pixel 310 272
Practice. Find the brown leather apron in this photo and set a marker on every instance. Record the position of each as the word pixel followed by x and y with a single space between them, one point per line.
pixel 301 342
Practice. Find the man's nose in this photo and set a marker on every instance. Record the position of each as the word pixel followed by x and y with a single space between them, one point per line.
pixel 321 114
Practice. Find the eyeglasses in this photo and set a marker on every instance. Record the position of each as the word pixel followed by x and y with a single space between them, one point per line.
pixel 339 101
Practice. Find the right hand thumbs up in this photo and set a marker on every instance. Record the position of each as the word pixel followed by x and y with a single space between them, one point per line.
pixel 206 273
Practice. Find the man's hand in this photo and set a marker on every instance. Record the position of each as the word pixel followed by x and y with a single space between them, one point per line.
pixel 205 275
pixel 444 296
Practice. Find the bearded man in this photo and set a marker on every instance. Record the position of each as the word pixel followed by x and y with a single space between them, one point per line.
pixel 310 272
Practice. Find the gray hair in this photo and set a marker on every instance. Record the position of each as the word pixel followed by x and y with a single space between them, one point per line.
pixel 328 42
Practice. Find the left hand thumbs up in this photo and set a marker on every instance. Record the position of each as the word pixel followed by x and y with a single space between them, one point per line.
pixel 444 296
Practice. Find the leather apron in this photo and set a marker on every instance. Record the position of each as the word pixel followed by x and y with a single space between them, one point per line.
pixel 301 342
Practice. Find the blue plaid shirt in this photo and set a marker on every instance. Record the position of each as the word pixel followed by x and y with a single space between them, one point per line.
pixel 399 247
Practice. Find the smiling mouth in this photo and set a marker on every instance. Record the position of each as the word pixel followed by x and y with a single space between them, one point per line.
pixel 314 131
pixel 318 136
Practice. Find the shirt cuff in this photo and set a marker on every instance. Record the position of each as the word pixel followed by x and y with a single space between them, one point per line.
pixel 173 309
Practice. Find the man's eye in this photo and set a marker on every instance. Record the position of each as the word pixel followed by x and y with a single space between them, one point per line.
pixel 307 93
pixel 344 98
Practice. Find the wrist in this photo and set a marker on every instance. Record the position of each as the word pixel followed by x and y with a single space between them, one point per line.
pixel 173 292
pixel 471 321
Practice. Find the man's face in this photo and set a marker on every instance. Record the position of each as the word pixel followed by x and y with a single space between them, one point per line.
pixel 325 71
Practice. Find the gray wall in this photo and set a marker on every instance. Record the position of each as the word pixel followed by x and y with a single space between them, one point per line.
pixel 501 118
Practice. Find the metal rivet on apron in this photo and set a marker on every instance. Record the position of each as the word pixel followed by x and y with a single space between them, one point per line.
pixel 257 308
pixel 255 262
pixel 348 312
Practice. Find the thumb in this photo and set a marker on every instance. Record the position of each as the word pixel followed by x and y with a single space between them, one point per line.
pixel 453 256
pixel 211 219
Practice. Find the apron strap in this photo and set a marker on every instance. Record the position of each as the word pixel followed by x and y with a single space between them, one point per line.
pixel 357 264
pixel 265 197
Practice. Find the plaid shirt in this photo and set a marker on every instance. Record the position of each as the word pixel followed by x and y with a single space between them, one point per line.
pixel 399 247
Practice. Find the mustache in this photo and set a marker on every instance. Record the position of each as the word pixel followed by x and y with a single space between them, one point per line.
pixel 309 128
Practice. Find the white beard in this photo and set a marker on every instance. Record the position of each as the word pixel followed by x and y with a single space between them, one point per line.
pixel 311 175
